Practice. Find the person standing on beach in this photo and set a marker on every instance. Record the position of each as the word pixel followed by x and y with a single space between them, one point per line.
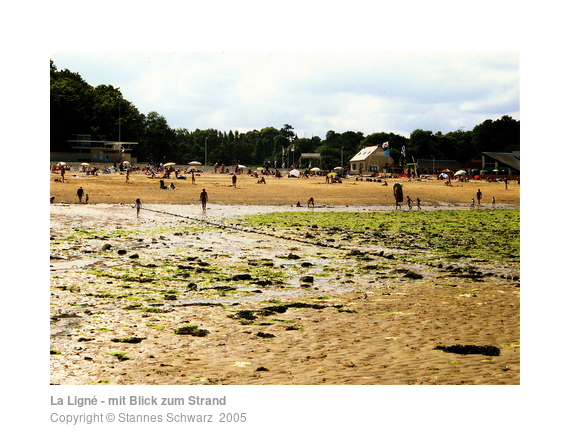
pixel 493 201
pixel 311 202
pixel 80 194
pixel 204 199
pixel 138 206
pixel 234 180
pixel 409 202
pixel 479 195
pixel 418 204
pixel 193 178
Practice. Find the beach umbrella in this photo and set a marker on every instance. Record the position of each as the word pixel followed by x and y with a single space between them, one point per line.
pixel 444 175
pixel 261 169
pixel 85 164
pixel 462 172
pixel 169 164
pixel 195 163
pixel 315 169
pixel 61 164
pixel 332 174
pixel 242 166
pixel 338 168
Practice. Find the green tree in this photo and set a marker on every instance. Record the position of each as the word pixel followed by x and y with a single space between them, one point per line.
pixel 502 135
pixel 423 145
pixel 106 113
pixel 71 100
pixel 158 140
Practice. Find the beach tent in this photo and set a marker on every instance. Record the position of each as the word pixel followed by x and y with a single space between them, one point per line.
pixel 294 173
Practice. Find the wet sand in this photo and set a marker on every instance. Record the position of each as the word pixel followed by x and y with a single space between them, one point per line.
pixel 353 323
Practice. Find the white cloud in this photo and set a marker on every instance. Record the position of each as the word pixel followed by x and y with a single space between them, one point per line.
pixel 314 92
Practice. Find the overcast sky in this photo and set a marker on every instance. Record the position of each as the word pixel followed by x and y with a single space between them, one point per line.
pixel 313 92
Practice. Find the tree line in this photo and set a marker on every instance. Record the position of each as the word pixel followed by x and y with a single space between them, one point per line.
pixel 76 107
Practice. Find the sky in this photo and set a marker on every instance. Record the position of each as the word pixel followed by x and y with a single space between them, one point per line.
pixel 314 92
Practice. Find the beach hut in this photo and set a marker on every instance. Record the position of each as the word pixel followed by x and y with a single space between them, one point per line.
pixel 371 159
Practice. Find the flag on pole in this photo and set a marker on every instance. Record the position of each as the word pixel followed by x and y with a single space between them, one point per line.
pixel 404 150
pixel 385 145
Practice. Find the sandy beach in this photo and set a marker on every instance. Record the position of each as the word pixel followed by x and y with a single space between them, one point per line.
pixel 327 318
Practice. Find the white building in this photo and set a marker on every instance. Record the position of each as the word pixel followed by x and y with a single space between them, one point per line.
pixel 371 159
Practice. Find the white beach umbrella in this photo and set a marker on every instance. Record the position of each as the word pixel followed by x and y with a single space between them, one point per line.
pixel 315 169
pixel 462 172
pixel 195 163
pixel 294 173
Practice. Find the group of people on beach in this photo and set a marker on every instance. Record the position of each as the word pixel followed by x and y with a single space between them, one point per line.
pixel 203 200
pixel 80 193
pixel 409 200
pixel 479 195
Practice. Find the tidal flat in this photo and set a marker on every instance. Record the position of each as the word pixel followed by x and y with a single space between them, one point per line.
pixel 311 297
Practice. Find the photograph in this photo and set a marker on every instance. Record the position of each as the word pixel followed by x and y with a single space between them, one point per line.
pixel 203 243
pixel 299 220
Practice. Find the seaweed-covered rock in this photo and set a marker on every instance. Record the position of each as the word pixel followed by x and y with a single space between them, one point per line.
pixel 469 349
pixel 241 277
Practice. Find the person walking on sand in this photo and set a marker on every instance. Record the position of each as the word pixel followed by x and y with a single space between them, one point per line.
pixel 138 206
pixel 479 195
pixel 204 199
pixel 409 202
pixel 311 202
pixel 193 178
pixel 472 202
pixel 86 198
pixel 418 204
pixel 493 201
pixel 80 194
